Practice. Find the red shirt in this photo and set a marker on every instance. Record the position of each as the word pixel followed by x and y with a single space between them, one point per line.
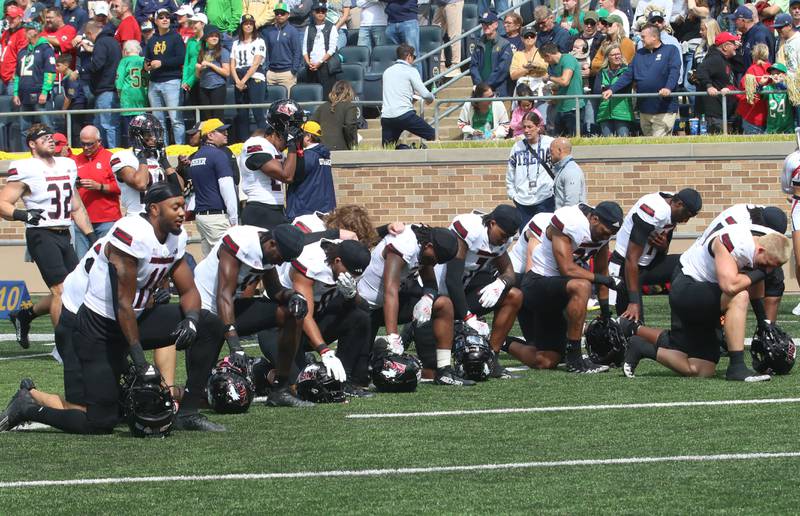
pixel 128 29
pixel 64 35
pixel 101 206
pixel 11 43
pixel 186 33
pixel 755 113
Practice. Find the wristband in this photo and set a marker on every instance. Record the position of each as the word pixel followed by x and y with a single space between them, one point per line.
pixel 635 297
pixel 92 236
pixel 20 215
pixel 755 275
pixel 231 328
pixel 427 291
pixel 321 349
pixel 605 309
pixel 193 316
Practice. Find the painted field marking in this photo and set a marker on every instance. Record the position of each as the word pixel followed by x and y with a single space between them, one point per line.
pixel 22 357
pixel 400 471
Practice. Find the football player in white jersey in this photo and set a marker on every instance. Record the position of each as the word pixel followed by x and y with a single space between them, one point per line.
pixel 264 169
pixel 769 216
pixel 641 251
pixel 521 253
pixel 144 164
pixel 558 286
pixel 326 274
pixel 44 182
pixel 114 323
pixel 481 278
pixel 719 276
pixel 790 184
pixel 391 288
pixel 246 255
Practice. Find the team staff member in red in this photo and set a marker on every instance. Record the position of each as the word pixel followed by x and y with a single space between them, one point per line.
pixel 11 42
pixel 97 187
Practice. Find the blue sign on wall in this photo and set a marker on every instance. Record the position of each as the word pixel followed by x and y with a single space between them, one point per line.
pixel 13 295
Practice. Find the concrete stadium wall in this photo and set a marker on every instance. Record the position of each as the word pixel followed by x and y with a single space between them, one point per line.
pixel 432 186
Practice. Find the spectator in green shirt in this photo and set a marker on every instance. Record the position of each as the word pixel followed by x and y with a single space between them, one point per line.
pixel 131 84
pixel 780 116
pixel 193 44
pixel 565 72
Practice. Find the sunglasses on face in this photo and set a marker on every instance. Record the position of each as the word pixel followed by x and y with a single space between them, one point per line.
pixel 162 16
pixel 529 36
pixel 87 144
pixel 590 23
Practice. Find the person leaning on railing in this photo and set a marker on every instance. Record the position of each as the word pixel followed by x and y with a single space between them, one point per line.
pixel 615 114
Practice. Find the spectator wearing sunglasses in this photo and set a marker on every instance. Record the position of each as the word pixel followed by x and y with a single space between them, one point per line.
pixel 163 59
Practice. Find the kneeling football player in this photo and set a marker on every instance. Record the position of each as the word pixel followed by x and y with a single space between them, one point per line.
pixel 718 276
pixel 113 324
pixel 558 286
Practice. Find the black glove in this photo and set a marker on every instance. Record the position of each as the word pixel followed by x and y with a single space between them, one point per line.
pixel 240 360
pixel 294 139
pixel 298 306
pixel 161 296
pixel 144 154
pixel 163 161
pixel 145 371
pixel 31 217
pixel 186 331
pixel 92 236
pixel 611 282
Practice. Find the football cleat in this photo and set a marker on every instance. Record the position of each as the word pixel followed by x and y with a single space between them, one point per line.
pixel 498 371
pixel 354 391
pixel 22 325
pixel 196 422
pixel 283 397
pixel 584 366
pixel 742 373
pixel 796 310
pixel 16 412
pixel 447 376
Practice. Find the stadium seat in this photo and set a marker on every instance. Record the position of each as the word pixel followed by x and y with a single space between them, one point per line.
pixel 352 38
pixel 430 37
pixel 230 101
pixel 275 93
pixel 306 93
pixel 354 74
pixel 5 122
pixel 353 55
pixel 469 20
pixel 382 58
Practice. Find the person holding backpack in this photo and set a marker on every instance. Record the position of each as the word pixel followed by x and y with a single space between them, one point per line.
pixel 319 50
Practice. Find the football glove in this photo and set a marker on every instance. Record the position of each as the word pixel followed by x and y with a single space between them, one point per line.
pixel 490 294
pixel 145 371
pixel 395 345
pixel 240 359
pixel 161 296
pixel 423 309
pixel 611 282
pixel 186 332
pixel 32 216
pixel 347 285
pixel 476 324
pixel 333 365
pixel 298 306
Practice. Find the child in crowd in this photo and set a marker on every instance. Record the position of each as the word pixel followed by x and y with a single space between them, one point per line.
pixel 74 96
pixel 522 108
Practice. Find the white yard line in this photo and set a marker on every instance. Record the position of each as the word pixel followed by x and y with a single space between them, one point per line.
pixel 401 471
pixel 23 357
pixel 574 408
pixel 33 337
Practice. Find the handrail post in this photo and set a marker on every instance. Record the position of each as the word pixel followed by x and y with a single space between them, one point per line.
pixel 724 115
pixel 436 119
pixel 577 117
pixel 69 130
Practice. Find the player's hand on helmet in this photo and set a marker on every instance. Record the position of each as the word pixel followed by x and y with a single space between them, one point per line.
pixel 490 294
pixel 347 285
pixel 144 154
pixel 32 216
pixel 294 138
pixel 297 305
pixel 239 359
pixel 423 309
pixel 476 324
pixel 633 312
pixel 186 332
pixel 395 344
pixel 333 365
pixel 145 371
pixel 161 296
pixel 612 282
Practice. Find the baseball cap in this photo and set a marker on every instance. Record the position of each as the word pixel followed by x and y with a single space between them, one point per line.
pixel 775 219
pixel 507 217
pixel 199 17
pixel 184 10
pixel 212 124
pixel 445 244
pixel 742 12
pixel 691 197
pixel 281 7
pixel 528 30
pixel 488 17
pixel 147 25
pixel 289 240
pixel 312 127
pixel 163 10
pixel 355 256
pixel 724 37
pixel 614 18
pixel 778 66
pixel 794 2
pixel 593 16
pixel 248 18
pixel 782 20
pixel 194 129
pixel 210 29
pixel 654 15
pixel 319 6
pixel 101 9
pixel 61 141
pixel 15 11
pixel 610 214
pixel 30 24
pixel 602 14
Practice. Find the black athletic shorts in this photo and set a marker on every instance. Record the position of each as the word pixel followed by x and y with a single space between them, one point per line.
pixel 774 284
pixel 52 252
pixel 73 378
pixel 265 216
pixel 542 318
pixel 695 307
pixel 410 292
pixel 254 314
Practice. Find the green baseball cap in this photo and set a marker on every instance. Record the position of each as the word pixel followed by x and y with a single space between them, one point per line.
pixel 281 7
pixel 614 18
pixel 780 67
pixel 602 14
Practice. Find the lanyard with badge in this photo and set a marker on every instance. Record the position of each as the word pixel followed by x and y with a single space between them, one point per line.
pixel 532 182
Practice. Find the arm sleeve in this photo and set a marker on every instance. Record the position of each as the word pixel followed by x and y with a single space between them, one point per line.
pixel 573 187
pixel 228 192
pixel 188 67
pixel 419 88
pixel 641 230
pixel 351 127
pixel 454 279
pixel 510 174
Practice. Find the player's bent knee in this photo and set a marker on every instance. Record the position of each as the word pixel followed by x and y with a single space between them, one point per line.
pixel 514 297
pixel 579 287
pixel 443 305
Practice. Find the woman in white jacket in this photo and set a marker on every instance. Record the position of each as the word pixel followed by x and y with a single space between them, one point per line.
pixel 529 178
pixel 485 119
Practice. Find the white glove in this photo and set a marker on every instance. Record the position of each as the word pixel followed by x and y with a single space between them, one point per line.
pixel 347 285
pixel 476 324
pixel 423 309
pixel 395 345
pixel 333 365
pixel 490 294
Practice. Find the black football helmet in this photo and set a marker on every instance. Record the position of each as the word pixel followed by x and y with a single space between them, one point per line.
pixel 773 350
pixel 284 116
pixel 230 390
pixel 261 367
pixel 141 128
pixel 605 342
pixel 314 384
pixel 148 408
pixel 395 373
pixel 472 353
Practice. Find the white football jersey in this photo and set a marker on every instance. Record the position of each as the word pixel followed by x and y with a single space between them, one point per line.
pixel 310 223
pixel 245 243
pixel 698 261
pixel 736 214
pixel 77 281
pixel 131 199
pixel 370 285
pixel 50 188
pixel 256 185
pixel 791 172
pixel 536 226
pixel 574 223
pixel 652 209
pixel 480 252
pixel 313 264
pixel 134 236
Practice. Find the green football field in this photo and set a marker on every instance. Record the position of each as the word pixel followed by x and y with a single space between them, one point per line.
pixel 606 444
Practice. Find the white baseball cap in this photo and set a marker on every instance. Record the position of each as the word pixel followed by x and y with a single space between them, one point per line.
pixel 185 10
pixel 199 17
pixel 101 8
